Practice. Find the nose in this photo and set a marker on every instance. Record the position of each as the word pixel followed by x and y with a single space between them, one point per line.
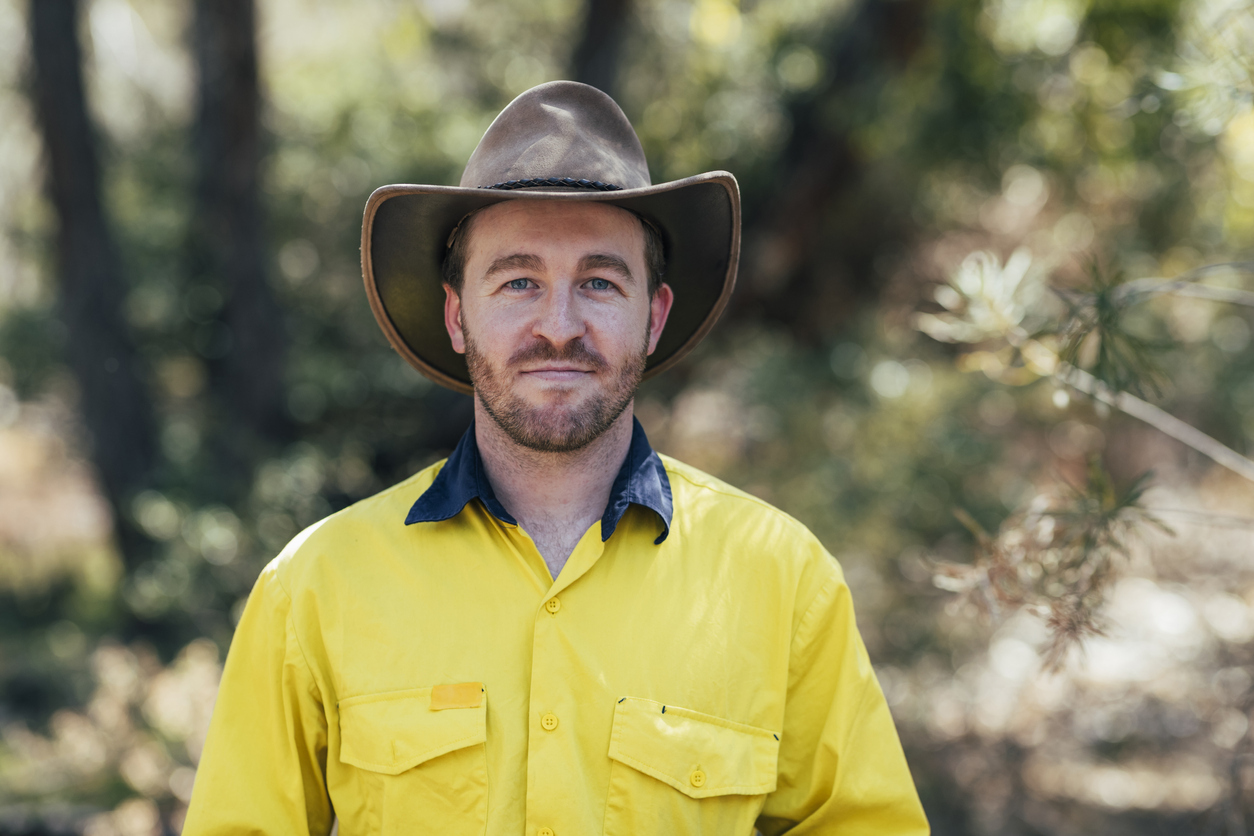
pixel 559 320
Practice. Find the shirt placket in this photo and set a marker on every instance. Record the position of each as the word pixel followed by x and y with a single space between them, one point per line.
pixel 554 709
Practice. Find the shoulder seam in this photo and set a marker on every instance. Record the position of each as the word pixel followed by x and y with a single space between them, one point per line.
pixel 829 589
pixel 747 497
pixel 304 657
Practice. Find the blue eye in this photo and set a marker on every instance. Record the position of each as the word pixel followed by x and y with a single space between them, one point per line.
pixel 519 284
pixel 599 284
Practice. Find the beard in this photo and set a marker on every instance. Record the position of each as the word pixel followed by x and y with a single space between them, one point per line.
pixel 564 426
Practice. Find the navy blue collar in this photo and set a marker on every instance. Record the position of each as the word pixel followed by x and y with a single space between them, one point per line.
pixel 641 480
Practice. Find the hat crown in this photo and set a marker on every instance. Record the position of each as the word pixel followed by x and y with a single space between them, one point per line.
pixel 560 129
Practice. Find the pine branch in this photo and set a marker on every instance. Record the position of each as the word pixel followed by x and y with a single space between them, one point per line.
pixel 1048 363
pixel 981 305
pixel 1160 419
pixel 1186 285
pixel 1207 518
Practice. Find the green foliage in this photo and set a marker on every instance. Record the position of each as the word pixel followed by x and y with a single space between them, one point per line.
pixel 31 342
pixel 1097 325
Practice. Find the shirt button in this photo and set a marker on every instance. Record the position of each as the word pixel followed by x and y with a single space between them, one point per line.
pixel 553 605
pixel 549 721
pixel 545 831
pixel 697 778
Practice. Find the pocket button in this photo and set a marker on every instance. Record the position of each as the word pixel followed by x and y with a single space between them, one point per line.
pixel 697 778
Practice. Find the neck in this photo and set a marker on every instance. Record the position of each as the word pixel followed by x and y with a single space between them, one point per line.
pixel 554 496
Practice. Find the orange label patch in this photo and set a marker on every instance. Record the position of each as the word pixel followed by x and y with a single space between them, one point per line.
pixel 461 695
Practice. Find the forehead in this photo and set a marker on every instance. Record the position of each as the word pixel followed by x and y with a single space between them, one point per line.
pixel 534 225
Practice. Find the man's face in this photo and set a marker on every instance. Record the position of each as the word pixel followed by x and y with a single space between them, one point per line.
pixel 555 318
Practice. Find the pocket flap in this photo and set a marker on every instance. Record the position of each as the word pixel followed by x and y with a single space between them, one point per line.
pixel 698 754
pixel 397 730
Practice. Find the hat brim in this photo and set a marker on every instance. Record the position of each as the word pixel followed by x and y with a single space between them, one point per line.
pixel 405 229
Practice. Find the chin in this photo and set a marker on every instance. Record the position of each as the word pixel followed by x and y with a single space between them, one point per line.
pixel 555 427
pixel 560 420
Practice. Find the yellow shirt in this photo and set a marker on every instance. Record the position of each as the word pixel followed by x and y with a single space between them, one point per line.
pixel 434 678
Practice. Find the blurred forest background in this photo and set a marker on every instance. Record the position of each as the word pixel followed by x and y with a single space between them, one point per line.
pixel 958 214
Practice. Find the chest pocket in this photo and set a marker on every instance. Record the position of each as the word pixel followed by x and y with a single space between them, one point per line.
pixel 678 771
pixel 424 756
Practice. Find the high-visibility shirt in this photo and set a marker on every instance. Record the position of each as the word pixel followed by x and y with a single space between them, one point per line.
pixel 694 668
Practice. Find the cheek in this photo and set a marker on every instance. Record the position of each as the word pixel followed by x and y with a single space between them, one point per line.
pixel 493 324
pixel 623 329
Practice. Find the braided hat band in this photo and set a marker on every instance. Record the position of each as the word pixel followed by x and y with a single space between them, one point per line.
pixel 540 183
pixel 559 182
pixel 550 182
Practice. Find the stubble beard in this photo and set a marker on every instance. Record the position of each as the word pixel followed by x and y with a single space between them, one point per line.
pixel 554 428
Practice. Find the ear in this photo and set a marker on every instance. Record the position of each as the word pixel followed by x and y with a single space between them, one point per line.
pixel 659 310
pixel 453 319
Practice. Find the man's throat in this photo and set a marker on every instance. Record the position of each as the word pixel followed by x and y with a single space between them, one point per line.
pixel 555 498
pixel 556 539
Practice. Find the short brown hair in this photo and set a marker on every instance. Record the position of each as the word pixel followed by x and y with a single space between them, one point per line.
pixel 453 270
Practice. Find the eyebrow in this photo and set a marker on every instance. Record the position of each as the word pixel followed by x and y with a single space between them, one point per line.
pixel 517 261
pixel 526 261
pixel 605 262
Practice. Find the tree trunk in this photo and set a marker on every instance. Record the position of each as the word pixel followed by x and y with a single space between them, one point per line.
pixel 595 60
pixel 114 404
pixel 801 265
pixel 227 243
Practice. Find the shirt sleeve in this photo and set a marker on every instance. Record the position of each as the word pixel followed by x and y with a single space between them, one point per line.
pixel 263 769
pixel 841 766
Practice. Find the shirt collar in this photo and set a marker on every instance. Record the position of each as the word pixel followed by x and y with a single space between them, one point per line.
pixel 642 480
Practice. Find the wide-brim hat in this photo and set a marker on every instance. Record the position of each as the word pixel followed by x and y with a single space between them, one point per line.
pixel 558 141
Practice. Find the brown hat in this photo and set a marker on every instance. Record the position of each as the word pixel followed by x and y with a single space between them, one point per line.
pixel 558 141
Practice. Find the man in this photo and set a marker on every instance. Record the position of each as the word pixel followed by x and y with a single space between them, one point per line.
pixel 555 632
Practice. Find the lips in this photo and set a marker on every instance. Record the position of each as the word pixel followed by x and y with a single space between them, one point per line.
pixel 557 373
pixel 542 356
